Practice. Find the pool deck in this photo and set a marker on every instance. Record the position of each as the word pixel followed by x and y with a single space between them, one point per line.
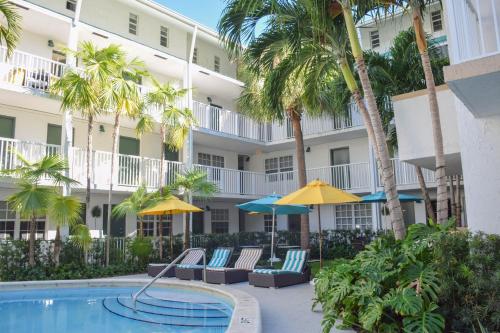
pixel 285 310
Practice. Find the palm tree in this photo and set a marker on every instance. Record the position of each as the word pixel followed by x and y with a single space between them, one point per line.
pixel 174 122
pixel 275 82
pixel 82 90
pixel 192 183
pixel 33 200
pixel 9 33
pixel 82 238
pixel 344 7
pixel 63 211
pixel 136 202
pixel 123 98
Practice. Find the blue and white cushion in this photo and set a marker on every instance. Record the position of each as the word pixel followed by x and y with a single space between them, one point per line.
pixel 219 258
pixel 189 266
pixel 294 263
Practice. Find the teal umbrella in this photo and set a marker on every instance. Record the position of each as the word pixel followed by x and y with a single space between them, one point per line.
pixel 266 205
pixel 380 197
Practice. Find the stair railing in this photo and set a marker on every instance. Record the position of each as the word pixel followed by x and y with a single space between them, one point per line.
pixel 143 289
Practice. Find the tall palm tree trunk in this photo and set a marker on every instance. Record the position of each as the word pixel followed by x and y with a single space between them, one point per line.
pixel 395 210
pixel 161 178
pixel 90 128
pixel 425 193
pixel 453 198
pixel 57 246
pixel 301 170
pixel 31 242
pixel 116 134
pixel 442 192
pixel 458 207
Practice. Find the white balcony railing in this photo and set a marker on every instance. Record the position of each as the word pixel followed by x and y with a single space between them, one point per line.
pixel 132 171
pixel 29 71
pixel 474 28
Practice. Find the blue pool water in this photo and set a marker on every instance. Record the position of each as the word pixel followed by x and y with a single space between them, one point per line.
pixel 110 310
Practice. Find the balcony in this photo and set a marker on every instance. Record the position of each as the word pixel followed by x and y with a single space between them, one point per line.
pixel 474 75
pixel 132 171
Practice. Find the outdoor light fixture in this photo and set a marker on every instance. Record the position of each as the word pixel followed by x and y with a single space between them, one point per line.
pixel 308 149
pixel 207 208
pixel 209 99
pixel 101 128
pixel 50 43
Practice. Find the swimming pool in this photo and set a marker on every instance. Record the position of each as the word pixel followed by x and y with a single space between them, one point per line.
pixel 110 309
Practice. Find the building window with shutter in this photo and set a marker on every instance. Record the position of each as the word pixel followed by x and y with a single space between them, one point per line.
pixel 268 223
pixel 437 21
pixel 217 64
pixel 71 5
pixel 164 36
pixel 133 21
pixel 195 55
pixel 220 221
pixel 374 39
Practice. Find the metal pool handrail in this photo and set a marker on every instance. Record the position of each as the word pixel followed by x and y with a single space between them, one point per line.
pixel 143 289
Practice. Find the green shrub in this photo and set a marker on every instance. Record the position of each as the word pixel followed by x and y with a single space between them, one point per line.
pixel 141 248
pixel 433 281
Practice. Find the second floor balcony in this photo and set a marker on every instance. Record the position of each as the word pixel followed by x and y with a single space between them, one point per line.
pixel 132 171
pixel 29 73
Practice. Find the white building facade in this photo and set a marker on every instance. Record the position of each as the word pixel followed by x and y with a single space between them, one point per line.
pixel 246 159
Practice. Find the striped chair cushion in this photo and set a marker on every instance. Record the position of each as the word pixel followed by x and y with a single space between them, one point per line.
pixel 248 258
pixel 273 271
pixel 192 258
pixel 295 261
pixel 219 258
pixel 189 266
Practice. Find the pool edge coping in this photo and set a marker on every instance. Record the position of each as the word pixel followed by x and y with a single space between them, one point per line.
pixel 246 316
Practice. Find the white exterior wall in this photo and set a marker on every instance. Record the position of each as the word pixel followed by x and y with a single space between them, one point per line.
pixel 390 27
pixel 480 147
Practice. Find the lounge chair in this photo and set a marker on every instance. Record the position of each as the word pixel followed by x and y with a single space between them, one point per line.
pixel 294 271
pixel 220 258
pixel 192 258
pixel 245 264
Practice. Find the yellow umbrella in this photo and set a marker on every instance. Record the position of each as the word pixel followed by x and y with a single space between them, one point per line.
pixel 171 205
pixel 318 193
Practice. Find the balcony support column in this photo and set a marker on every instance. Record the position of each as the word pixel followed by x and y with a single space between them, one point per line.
pixel 376 217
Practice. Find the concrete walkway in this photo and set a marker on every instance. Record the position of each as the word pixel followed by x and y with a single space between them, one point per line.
pixel 285 310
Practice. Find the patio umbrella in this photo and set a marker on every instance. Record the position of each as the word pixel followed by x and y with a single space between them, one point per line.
pixel 380 197
pixel 318 193
pixel 267 205
pixel 171 205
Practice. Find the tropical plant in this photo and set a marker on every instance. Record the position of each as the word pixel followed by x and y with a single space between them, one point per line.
pixel 391 286
pixel 122 97
pixel 137 201
pixel 33 200
pixel 192 183
pixel 9 33
pixel 80 236
pixel 174 122
pixel 83 90
pixel 62 211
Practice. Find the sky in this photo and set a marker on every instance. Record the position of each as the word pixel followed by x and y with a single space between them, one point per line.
pixel 207 12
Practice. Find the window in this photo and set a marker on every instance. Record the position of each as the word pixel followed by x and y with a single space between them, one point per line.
pixel 204 159
pixel 132 23
pixel 442 51
pixel 355 216
pixel 7 220
pixel 211 160
pixel 24 231
pixel 217 64
pixel 437 21
pixel 268 223
pixel 279 164
pixel 374 39
pixel 164 36
pixel 171 154
pixel 220 221
pixel 71 5
pixel 7 125
pixel 148 225
pixel 166 225
pixel 195 55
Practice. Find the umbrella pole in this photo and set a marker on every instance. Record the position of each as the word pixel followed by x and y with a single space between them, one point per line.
pixel 320 239
pixel 272 238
